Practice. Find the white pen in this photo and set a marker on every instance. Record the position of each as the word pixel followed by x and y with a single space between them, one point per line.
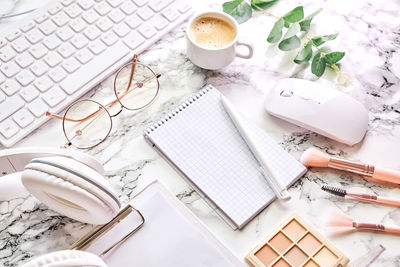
pixel 280 191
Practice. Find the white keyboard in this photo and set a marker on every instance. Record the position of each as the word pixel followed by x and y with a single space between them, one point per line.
pixel 63 50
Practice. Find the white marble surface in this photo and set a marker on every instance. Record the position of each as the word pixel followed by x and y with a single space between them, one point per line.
pixel 370 35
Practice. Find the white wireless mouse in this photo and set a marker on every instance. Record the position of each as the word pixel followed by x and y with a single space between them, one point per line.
pixel 318 108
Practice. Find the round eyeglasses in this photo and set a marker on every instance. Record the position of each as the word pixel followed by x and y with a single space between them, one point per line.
pixel 87 123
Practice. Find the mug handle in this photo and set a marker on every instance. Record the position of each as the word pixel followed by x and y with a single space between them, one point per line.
pixel 249 53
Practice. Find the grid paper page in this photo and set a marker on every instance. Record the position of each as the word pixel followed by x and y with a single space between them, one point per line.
pixel 203 143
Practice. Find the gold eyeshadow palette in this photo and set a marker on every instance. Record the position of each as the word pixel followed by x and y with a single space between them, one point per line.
pixel 295 243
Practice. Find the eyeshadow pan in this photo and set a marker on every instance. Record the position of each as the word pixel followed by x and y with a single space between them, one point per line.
pixel 280 242
pixel 325 257
pixel 295 256
pixel 281 263
pixel 311 263
pixel 309 244
pixel 294 230
pixel 266 255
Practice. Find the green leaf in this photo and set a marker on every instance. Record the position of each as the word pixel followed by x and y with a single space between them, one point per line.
pixel 318 65
pixel 305 54
pixel 287 24
pixel 319 40
pixel 294 15
pixel 305 23
pixel 290 43
pixel 290 40
pixel 334 57
pixel 276 33
pixel 293 30
pixel 239 9
pixel 262 4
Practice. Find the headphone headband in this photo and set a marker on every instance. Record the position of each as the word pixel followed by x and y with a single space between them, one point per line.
pixel 14 160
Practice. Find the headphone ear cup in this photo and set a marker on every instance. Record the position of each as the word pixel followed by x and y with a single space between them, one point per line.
pixel 72 189
pixel 66 258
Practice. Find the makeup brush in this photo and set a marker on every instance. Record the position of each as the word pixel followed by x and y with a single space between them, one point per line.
pixel 360 196
pixel 313 157
pixel 339 223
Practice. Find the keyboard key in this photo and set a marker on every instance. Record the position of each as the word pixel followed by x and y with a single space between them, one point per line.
pixel 55 9
pixel 41 17
pixel 2 78
pixel 54 96
pixel 27 26
pixel 104 24
pixel 57 74
pixel 97 47
pixel 109 38
pixel 66 50
pixel 13 35
pixel 71 65
pixel 90 16
pixel 52 42
pixel 48 27
pixel 66 2
pixel 29 93
pixel 8 128
pixel 3 42
pixel 39 68
pixel 38 107
pixel 20 44
pixel 145 13
pixel 10 87
pixel 84 55
pixel 78 25
pixel 170 14
pixel 114 3
pixel 159 22
pixel 38 51
pixel 92 32
pixel 73 10
pixel 121 29
pixel 9 106
pixel 183 6
pixel 23 118
pixel 9 69
pixel 25 77
pixel 133 21
pixel 24 60
pixel 7 53
pixel 133 40
pixel 140 2
pixel 116 15
pixel 147 30
pixel 85 4
pixel 43 83
pixel 34 36
pixel 128 8
pixel 103 8
pixel 94 67
pixel 65 33
pixel 60 19
pixel 2 97
pixel 79 41
pixel 158 5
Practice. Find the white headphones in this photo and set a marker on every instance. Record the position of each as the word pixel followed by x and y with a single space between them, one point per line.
pixel 70 183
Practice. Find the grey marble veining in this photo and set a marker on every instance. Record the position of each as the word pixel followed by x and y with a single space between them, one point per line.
pixel 370 36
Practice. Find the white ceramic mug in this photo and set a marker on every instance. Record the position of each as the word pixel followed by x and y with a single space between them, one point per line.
pixel 215 58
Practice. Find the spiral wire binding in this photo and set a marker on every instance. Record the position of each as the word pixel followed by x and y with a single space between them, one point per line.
pixel 171 114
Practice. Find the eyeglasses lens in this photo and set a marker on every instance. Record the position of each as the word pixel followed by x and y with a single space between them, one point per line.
pixel 86 123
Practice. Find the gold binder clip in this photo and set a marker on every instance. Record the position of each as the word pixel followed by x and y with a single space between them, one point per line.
pixel 88 239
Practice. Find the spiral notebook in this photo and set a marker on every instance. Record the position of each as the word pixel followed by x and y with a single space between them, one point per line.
pixel 199 139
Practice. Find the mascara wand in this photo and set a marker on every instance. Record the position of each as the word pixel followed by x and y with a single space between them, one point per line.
pixel 369 198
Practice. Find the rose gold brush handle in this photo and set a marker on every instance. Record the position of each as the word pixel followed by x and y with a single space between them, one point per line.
pixel 374 199
pixel 386 175
pixel 392 230
pixel 388 201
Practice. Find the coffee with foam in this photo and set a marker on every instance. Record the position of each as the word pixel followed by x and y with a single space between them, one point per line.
pixel 211 32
